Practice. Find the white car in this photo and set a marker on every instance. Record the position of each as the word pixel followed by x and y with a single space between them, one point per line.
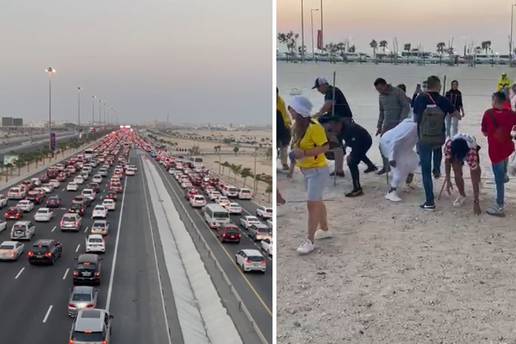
pixel 234 208
pixel 47 187
pixel 95 243
pixel 16 192
pixel 100 227
pixel 97 179
pixel 35 181
pixel 72 186
pixel 245 194
pixel 25 205
pixel 186 184
pixel 171 171
pixel 267 247
pixel 43 215
pixel 264 212
pixel 78 180
pixel 3 201
pixel 247 221
pixel 54 182
pixel 11 250
pixel 130 172
pixel 109 203
pixel 198 201
pixel 223 201
pixel 251 260
pixel 99 212
pixel 214 195
pixel 89 193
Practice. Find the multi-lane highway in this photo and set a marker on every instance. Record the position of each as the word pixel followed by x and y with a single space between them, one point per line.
pixel 26 143
pixel 136 286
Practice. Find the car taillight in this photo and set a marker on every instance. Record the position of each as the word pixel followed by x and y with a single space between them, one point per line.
pixel 76 273
pixel 90 305
pixel 48 254
pixel 61 223
pixel 247 261
pixel 97 273
pixel 71 305
pixel 30 254
pixel 71 341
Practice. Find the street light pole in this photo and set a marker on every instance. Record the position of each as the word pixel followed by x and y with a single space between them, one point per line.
pixel 100 111
pixel 512 22
pixel 50 71
pixel 79 107
pixel 93 111
pixel 302 32
pixel 312 29
pixel 322 29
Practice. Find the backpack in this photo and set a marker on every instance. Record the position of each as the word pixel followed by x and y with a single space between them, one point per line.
pixel 431 128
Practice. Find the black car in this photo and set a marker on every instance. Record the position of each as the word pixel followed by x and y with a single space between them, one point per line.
pixel 77 209
pixel 88 269
pixel 54 202
pixel 45 251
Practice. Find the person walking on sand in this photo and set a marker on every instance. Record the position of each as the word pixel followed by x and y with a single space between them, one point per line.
pixel 309 149
pixel 338 107
pixel 394 108
pixel 397 145
pixel 430 109
pixel 359 140
pixel 455 97
pixel 283 130
pixel 457 150
pixel 497 124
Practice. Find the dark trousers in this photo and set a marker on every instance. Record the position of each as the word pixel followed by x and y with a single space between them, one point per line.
pixel 358 154
pixel 427 154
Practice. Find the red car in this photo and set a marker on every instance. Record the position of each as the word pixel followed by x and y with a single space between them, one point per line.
pixel 61 177
pixel 191 192
pixel 44 178
pixel 229 233
pixel 35 196
pixel 53 202
pixel 95 187
pixel 28 185
pixel 13 213
pixel 115 188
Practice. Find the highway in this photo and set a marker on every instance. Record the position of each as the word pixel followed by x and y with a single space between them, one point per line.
pixel 135 285
pixel 26 145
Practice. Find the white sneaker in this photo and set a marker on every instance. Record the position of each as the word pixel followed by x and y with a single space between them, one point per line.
pixel 459 201
pixel 320 234
pixel 393 196
pixel 306 247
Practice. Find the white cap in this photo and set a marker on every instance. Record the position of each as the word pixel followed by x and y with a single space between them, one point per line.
pixel 302 106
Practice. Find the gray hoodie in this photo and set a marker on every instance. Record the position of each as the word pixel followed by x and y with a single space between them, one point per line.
pixel 394 108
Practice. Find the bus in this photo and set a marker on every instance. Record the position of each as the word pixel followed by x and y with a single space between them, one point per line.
pixel 215 215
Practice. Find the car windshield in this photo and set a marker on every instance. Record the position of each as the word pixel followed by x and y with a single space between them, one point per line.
pixel 40 249
pixel 17 227
pixel 255 258
pixel 99 224
pixel 69 218
pixel 262 230
pixel 232 232
pixel 6 247
pixel 95 240
pixel 88 336
pixel 43 211
pixel 81 297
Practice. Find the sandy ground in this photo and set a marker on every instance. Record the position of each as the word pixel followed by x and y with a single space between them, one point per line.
pixel 393 273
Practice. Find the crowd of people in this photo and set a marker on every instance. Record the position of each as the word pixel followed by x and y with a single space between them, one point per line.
pixel 412 132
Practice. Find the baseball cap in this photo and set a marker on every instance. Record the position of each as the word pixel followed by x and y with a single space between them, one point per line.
pixel 302 106
pixel 320 81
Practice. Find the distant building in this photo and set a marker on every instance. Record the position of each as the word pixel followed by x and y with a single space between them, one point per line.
pixel 12 122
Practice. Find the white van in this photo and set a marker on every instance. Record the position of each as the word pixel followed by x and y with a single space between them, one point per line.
pixel 230 191
pixel 245 194
pixel 16 192
pixel 215 215
pixel 88 154
pixel 23 230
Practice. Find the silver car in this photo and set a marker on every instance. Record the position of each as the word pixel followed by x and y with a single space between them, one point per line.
pixel 82 297
pixel 91 326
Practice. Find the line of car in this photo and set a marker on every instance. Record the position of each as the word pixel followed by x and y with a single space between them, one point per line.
pixel 90 324
pixel 217 202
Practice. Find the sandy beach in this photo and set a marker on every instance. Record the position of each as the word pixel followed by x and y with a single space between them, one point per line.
pixel 393 273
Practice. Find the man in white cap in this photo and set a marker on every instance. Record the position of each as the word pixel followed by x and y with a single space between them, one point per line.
pixel 397 145
pixel 335 104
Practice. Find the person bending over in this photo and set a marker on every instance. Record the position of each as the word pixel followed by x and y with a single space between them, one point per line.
pixel 457 150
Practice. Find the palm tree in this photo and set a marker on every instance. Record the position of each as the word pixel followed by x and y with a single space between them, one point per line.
pixel 290 40
pixel 440 50
pixel 374 45
pixel 383 45
pixel 236 149
pixel 407 46
pixel 245 173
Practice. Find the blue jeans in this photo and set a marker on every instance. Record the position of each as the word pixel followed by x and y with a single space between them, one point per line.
pixel 426 155
pixel 499 174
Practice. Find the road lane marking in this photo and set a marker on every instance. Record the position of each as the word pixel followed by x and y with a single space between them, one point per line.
pixel 66 273
pixel 53 229
pixel 86 229
pixel 77 248
pixel 145 191
pixel 237 268
pixel 47 314
pixel 63 189
pixel 113 264
pixel 19 273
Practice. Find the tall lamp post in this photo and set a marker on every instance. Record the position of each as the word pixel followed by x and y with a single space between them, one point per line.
pixel 302 32
pixel 322 27
pixel 50 71
pixel 93 111
pixel 100 111
pixel 79 107
pixel 510 42
pixel 312 29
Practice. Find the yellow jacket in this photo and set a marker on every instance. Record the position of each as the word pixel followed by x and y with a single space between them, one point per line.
pixel 503 83
pixel 282 108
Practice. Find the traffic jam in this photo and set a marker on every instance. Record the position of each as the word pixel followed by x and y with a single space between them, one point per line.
pixel 94 180
pixel 218 203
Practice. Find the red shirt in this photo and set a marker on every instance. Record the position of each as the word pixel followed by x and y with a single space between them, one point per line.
pixel 498 135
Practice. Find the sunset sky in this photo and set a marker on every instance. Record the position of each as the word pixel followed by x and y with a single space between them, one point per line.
pixel 201 61
pixel 426 22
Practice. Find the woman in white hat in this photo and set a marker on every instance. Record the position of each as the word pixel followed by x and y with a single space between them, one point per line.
pixel 309 147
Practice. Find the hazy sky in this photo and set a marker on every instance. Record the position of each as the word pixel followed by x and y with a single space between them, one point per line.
pixel 411 21
pixel 202 61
